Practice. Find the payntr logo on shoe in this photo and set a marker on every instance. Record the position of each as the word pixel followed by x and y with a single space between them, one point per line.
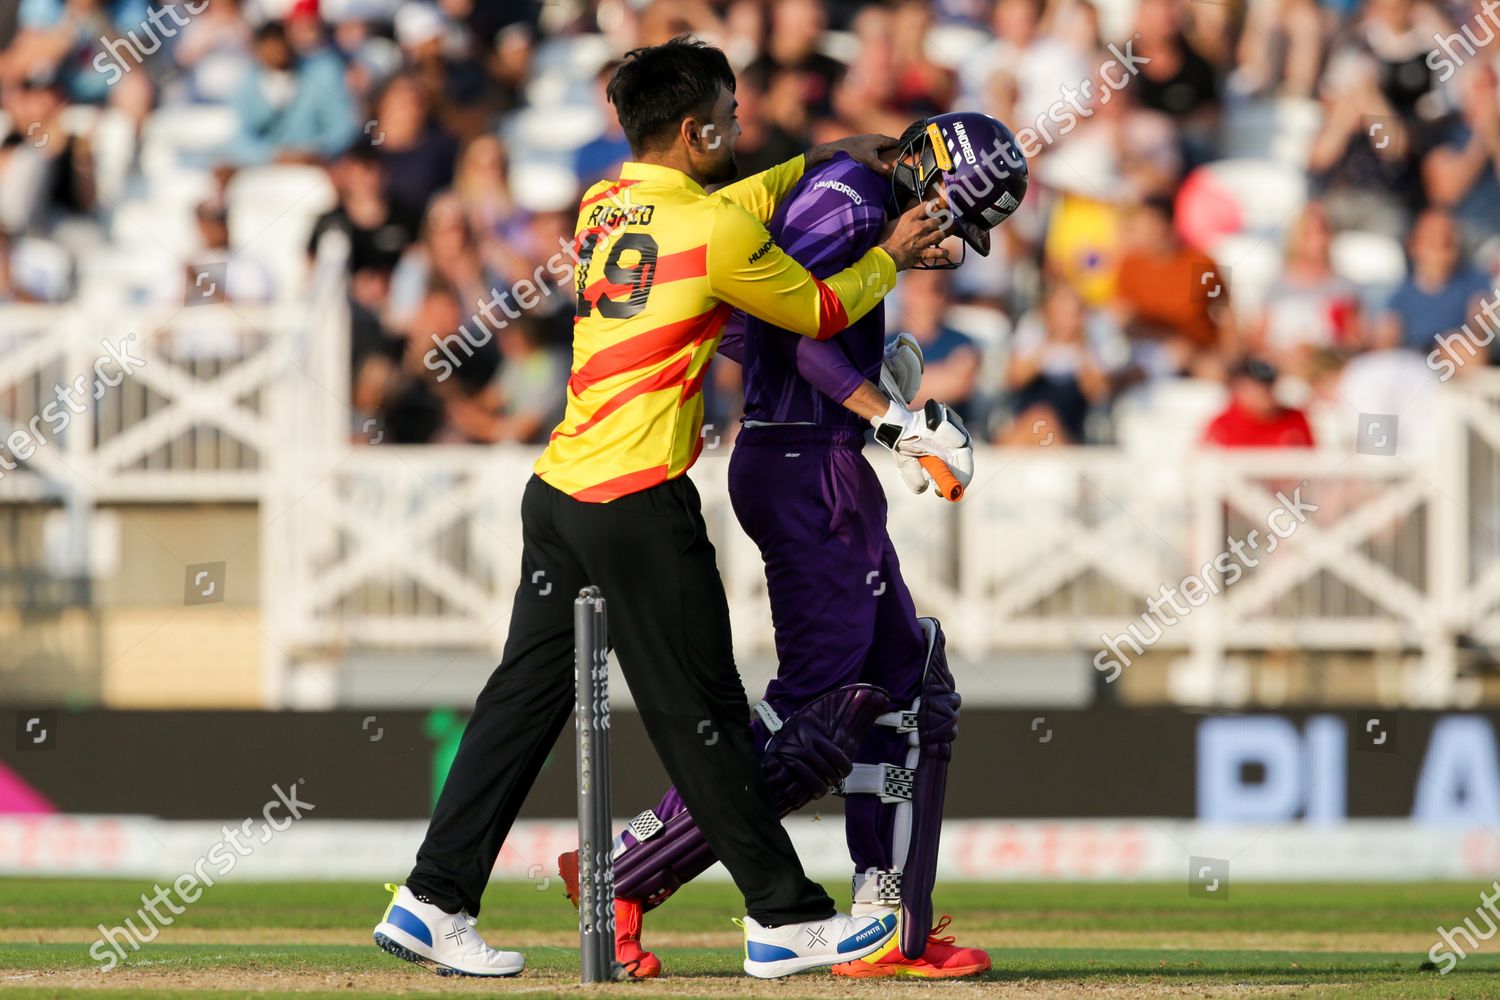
pixel 815 938
pixel 456 935
pixel 877 929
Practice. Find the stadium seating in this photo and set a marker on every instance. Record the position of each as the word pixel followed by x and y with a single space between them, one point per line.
pixel 272 210
pixel 1371 260
pixel 1280 129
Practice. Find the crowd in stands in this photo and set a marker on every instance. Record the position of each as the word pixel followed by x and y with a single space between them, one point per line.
pixel 1284 211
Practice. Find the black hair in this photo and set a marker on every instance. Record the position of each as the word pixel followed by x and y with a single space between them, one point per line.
pixel 1258 369
pixel 363 150
pixel 1162 205
pixel 656 87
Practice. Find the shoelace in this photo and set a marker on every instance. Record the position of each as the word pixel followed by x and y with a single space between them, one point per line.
pixel 942 925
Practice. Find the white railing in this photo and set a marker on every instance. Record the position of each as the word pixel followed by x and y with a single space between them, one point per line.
pixel 1054 549
pixel 190 421
pixel 210 394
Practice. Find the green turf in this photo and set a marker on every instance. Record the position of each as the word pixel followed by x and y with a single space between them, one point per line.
pixel 709 906
pixel 1086 910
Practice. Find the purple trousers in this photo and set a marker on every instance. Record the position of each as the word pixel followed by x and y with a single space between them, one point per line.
pixel 841 611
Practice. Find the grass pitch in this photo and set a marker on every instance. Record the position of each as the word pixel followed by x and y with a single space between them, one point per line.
pixel 1124 941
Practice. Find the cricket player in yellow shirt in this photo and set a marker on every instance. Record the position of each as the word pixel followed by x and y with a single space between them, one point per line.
pixel 661 264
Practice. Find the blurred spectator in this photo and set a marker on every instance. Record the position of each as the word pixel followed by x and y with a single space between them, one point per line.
pixel 862 96
pixel 498 224
pixel 1387 378
pixel 1281 49
pixel 1399 35
pixel 418 154
pixel 486 19
pixel 1174 78
pixel 1170 297
pixel 774 123
pixel 214 53
pixel 91 47
pixel 377 230
pixel 304 30
pixel 1146 147
pixel 1210 30
pixel 792 48
pixel 549 241
pixel 1463 172
pixel 1441 294
pixel 33 270
pixel 397 387
pixel 526 399
pixel 455 235
pixel 1363 159
pixel 293 107
pixel 951 359
pixel 46 171
pixel 373 349
pixel 1056 375
pixel 446 261
pixel 1254 419
pixel 508 62
pixel 997 95
pixel 666 19
pixel 1042 67
pixel 370 58
pixel 10 289
pixel 892 81
pixel 214 274
pixel 743 31
pixel 924 85
pixel 602 155
pixel 9 12
pixel 217 273
pixel 1074 23
pixel 1308 306
pixel 454 82
pixel 1084 231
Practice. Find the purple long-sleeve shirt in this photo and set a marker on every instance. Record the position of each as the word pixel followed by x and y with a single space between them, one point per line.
pixel 829 220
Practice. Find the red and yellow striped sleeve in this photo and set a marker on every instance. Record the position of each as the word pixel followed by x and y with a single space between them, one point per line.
pixel 749 271
pixel 759 193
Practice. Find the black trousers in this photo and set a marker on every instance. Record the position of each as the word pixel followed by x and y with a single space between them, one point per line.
pixel 650 555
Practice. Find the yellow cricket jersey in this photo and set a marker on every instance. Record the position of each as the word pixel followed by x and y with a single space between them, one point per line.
pixel 661 266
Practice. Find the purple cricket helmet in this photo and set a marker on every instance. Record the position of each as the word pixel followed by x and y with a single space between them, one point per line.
pixel 979 159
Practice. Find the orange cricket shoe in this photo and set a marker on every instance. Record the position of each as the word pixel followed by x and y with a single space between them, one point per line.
pixel 941 960
pixel 640 963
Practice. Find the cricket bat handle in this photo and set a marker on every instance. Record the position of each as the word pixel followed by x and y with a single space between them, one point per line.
pixel 947 483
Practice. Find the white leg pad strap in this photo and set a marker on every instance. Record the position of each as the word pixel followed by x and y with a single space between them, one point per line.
pixel 902 722
pixel 890 782
pixel 878 886
pixel 646 825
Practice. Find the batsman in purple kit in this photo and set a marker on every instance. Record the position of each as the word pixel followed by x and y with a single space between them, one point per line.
pixel 863 703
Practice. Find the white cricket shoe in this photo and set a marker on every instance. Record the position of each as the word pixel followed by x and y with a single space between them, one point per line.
pixel 771 952
pixel 446 943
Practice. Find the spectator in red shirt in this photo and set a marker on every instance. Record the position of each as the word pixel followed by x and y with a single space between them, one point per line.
pixel 1253 418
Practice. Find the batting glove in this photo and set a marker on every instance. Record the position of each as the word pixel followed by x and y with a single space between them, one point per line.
pixel 936 431
pixel 901 368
